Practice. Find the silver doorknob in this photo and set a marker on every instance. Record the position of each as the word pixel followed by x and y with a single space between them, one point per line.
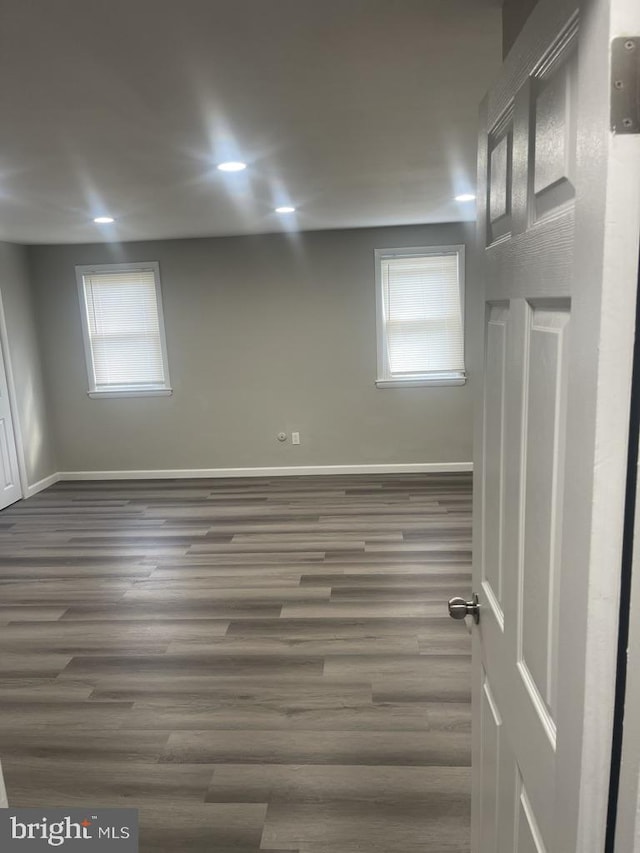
pixel 459 608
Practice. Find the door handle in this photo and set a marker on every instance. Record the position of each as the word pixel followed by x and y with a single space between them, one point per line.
pixel 459 608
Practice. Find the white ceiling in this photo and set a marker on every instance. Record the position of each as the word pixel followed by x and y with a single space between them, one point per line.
pixel 358 112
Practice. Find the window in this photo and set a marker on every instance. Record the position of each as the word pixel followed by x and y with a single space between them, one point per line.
pixel 420 314
pixel 123 330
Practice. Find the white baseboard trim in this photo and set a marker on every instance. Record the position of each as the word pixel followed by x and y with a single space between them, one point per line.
pixel 33 489
pixel 287 471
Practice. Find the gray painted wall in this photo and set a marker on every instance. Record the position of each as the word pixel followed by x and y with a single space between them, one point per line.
pixel 26 363
pixel 264 334
pixel 514 17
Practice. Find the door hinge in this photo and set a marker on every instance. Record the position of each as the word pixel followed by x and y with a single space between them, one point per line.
pixel 625 84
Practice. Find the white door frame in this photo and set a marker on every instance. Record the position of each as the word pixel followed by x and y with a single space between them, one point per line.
pixel 616 200
pixel 625 834
pixel 13 402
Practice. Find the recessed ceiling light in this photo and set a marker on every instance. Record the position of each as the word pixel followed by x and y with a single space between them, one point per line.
pixel 232 166
pixel 104 220
pixel 466 197
pixel 285 209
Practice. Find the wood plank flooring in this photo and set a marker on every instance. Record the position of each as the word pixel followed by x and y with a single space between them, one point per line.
pixel 255 664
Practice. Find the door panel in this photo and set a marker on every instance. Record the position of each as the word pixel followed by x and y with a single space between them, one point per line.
pixel 529 839
pixel 491 736
pixel 553 130
pixel 495 368
pixel 545 371
pixel 500 177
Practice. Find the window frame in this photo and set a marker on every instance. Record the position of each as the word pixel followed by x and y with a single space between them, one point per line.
pixel 124 391
pixel 384 377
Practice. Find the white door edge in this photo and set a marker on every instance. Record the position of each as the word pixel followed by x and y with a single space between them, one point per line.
pixel 13 401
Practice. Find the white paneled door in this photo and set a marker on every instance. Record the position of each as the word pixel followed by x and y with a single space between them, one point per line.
pixel 558 229
pixel 10 488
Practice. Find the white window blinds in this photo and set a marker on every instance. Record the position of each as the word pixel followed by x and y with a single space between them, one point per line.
pixel 124 330
pixel 422 322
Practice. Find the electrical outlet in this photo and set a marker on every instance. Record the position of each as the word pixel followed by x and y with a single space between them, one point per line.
pixel 295 438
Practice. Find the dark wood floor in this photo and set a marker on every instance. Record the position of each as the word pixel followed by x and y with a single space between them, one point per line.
pixel 253 664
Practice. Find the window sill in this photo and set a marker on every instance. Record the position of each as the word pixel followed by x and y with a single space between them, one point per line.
pixel 420 383
pixel 130 392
